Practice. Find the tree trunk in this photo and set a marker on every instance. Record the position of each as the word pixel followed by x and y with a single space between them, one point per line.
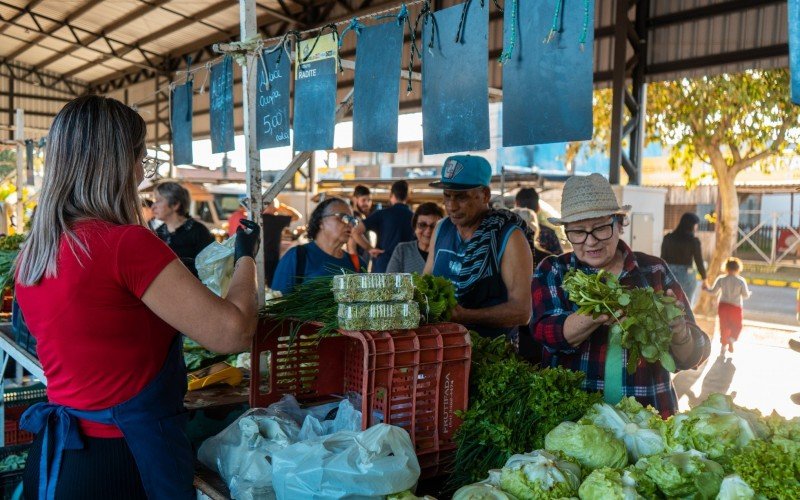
pixel 727 230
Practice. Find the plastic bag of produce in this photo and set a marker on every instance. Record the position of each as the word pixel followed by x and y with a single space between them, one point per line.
pixel 242 453
pixel 215 265
pixel 371 464
pixel 641 429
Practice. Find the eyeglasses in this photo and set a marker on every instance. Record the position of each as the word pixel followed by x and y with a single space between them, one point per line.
pixel 344 218
pixel 150 166
pixel 423 226
pixel 600 233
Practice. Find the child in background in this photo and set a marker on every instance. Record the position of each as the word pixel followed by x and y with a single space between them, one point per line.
pixel 734 290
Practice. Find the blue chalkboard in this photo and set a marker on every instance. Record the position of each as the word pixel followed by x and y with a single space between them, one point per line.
pixel 376 93
pixel 794 48
pixel 222 106
pixel 547 87
pixel 181 119
pixel 315 105
pixel 272 111
pixel 455 81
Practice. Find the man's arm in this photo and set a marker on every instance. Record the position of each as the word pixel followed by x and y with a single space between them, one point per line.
pixel 516 269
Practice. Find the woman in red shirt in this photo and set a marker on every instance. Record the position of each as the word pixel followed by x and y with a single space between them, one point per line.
pixel 105 299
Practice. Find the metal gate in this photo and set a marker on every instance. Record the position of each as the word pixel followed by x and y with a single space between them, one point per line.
pixel 771 237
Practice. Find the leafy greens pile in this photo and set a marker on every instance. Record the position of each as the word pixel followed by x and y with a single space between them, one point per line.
pixel 646 314
pixel 715 451
pixel 513 405
pixel 436 297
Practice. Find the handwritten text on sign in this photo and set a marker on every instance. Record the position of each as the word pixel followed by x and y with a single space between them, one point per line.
pixel 272 112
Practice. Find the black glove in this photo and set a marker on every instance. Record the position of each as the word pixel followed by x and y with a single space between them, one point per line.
pixel 248 239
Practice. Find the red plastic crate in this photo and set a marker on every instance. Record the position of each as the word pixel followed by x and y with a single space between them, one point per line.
pixel 13 434
pixel 414 379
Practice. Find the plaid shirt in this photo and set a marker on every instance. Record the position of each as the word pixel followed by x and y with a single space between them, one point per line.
pixel 651 383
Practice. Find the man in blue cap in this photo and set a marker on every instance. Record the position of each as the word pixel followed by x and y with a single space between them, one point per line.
pixel 486 253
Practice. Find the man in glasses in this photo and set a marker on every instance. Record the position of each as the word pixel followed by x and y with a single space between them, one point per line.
pixel 485 253
pixel 593 222
pixel 392 225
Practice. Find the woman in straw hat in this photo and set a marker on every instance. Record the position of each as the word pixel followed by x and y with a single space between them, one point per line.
pixel 593 222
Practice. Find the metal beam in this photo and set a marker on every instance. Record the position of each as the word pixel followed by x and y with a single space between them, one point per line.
pixel 706 11
pixel 39 38
pixel 75 43
pixel 778 50
pixel 633 34
pixel 42 78
pixel 25 10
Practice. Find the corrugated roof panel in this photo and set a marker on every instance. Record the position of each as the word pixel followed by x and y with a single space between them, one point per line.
pixel 150 23
pixel 105 13
pixel 228 18
pixel 179 38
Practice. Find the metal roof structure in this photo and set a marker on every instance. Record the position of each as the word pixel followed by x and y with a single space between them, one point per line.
pixel 54 50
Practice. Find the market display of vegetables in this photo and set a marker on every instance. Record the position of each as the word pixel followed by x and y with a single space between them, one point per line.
pixel 13 462
pixel 9 248
pixel 643 316
pixel 717 450
pixel 358 301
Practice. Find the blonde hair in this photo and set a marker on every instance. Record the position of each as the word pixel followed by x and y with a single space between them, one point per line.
pixel 93 146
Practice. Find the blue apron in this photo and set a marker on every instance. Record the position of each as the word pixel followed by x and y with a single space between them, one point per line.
pixel 152 422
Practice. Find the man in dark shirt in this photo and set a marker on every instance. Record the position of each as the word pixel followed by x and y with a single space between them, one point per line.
pixel 392 225
pixel 547 237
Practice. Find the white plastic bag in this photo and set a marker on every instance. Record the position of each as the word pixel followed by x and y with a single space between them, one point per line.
pixel 354 465
pixel 214 265
pixel 242 453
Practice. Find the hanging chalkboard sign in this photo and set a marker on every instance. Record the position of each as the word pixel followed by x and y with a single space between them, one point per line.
pixel 272 108
pixel 222 106
pixel 315 93
pixel 794 48
pixel 455 80
pixel 547 87
pixel 181 121
pixel 376 93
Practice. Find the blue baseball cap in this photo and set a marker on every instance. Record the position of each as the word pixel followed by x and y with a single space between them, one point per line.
pixel 462 172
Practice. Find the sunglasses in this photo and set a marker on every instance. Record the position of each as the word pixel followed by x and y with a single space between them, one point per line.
pixel 344 218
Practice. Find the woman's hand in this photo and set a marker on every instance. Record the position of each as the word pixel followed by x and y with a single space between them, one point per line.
pixel 375 252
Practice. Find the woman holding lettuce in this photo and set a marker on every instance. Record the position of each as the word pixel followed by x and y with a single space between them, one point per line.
pixel 594 222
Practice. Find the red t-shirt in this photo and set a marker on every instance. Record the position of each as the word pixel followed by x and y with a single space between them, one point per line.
pixel 98 343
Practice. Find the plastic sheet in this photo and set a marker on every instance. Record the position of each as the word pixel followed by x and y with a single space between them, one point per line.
pixel 215 266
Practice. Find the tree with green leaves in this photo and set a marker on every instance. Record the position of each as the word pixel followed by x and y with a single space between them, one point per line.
pixel 727 123
pixel 8 162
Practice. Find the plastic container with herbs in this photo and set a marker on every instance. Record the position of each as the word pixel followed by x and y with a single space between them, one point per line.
pixel 381 316
pixel 378 287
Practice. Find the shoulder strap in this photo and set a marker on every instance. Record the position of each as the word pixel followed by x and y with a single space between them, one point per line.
pixel 300 265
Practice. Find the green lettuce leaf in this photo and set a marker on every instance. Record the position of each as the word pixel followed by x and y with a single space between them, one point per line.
pixel 592 446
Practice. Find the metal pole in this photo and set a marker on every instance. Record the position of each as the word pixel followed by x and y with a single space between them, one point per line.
pixel 618 90
pixel 10 105
pixel 773 254
pixel 19 137
pixel 249 29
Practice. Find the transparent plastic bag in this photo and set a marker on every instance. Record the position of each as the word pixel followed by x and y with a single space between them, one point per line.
pixel 242 453
pixel 371 464
pixel 214 265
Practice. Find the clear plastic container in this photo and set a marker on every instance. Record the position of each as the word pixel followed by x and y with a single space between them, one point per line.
pixel 378 287
pixel 385 316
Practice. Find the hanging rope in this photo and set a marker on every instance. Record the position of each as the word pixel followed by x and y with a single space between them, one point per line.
pixel 585 30
pixel 556 27
pixel 355 26
pixel 512 42
pixel 462 21
pixel 335 33
pixel 423 16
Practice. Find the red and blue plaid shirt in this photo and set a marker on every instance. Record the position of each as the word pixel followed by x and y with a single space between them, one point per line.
pixel 650 384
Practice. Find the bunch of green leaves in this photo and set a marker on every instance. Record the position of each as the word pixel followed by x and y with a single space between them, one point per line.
pixel 7 260
pixel 770 469
pixel 512 408
pixel 14 462
pixel 642 315
pixel 197 357
pixel 436 297
pixel 11 242
pixel 309 302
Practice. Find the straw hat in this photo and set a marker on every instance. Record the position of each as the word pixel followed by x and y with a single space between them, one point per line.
pixel 587 197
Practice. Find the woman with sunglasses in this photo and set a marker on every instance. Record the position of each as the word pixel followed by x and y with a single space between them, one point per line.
pixel 410 256
pixel 593 222
pixel 329 229
pixel 105 300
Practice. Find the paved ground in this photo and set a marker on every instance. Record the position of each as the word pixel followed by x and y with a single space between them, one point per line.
pixel 771 304
pixel 762 372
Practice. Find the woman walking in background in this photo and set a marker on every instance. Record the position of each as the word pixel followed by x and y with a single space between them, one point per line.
pixel 679 249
